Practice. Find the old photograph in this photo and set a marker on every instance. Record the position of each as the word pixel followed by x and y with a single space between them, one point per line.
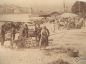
pixel 42 31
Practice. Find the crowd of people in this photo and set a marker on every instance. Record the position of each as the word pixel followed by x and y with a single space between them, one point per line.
pixel 41 35
pixel 71 23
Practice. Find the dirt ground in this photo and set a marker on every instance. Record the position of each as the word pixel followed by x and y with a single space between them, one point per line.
pixel 59 39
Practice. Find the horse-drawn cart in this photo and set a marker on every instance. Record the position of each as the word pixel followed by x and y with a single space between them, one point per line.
pixel 29 41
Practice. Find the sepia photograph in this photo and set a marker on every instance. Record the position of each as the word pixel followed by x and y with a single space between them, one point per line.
pixel 42 32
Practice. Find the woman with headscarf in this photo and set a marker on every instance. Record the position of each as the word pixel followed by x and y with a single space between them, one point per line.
pixel 44 37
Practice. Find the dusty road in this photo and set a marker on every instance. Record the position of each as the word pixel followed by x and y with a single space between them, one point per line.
pixel 70 38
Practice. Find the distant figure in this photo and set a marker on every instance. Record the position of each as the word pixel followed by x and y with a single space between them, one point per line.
pixel 80 23
pixel 3 34
pixel 25 31
pixel 13 32
pixel 44 37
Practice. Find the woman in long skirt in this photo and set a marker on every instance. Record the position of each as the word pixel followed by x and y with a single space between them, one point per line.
pixel 44 37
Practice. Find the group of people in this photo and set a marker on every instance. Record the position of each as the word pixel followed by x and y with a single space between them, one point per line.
pixel 4 31
pixel 41 34
pixel 71 23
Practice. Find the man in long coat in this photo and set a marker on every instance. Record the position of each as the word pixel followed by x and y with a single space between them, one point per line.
pixel 3 34
pixel 38 32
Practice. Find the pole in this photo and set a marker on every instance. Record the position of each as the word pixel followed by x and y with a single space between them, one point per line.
pixel 31 11
pixel 79 7
pixel 64 5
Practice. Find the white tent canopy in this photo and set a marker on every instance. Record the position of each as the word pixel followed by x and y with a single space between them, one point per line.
pixel 67 15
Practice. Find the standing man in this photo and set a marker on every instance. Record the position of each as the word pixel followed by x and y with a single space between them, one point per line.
pixel 3 34
pixel 44 37
pixel 38 32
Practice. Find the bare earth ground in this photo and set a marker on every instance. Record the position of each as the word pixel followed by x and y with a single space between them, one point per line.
pixel 60 39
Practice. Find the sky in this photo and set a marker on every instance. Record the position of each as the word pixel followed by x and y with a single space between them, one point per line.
pixel 41 4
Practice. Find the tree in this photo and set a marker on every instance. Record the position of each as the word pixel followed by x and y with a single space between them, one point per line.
pixel 79 8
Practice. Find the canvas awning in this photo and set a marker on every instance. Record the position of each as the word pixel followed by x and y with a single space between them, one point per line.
pixel 68 15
